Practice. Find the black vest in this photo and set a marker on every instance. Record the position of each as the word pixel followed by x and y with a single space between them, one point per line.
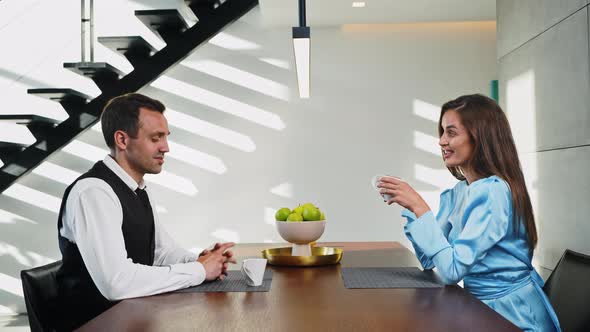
pixel 80 299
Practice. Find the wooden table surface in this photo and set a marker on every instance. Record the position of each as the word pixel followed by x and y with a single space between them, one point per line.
pixel 310 299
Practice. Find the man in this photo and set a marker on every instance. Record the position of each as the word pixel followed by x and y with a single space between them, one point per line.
pixel 112 243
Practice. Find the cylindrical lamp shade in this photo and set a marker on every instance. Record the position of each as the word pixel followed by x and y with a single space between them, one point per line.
pixel 302 50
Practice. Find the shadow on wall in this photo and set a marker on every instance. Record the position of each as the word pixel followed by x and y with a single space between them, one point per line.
pixel 15 77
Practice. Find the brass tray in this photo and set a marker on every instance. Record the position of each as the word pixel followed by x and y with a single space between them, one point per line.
pixel 319 256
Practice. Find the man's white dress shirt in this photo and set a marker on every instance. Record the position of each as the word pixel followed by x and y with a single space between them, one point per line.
pixel 92 220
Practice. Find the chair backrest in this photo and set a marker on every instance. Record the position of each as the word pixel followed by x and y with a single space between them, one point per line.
pixel 40 290
pixel 568 289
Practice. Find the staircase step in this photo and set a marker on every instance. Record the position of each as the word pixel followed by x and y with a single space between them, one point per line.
pixel 38 125
pixel 167 24
pixel 26 119
pixel 58 94
pixel 71 100
pixel 102 73
pixel 134 48
pixel 9 150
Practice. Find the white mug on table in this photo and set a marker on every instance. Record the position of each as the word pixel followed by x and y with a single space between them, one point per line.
pixel 253 269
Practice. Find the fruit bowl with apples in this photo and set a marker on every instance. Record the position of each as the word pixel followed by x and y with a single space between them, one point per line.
pixel 300 227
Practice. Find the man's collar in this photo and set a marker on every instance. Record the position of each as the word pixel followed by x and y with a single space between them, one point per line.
pixel 112 164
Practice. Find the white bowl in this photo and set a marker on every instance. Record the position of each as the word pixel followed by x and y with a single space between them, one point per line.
pixel 302 232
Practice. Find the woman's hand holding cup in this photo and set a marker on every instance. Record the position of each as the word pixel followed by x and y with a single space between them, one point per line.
pixel 396 190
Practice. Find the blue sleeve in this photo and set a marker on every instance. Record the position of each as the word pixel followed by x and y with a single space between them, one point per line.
pixel 445 226
pixel 486 218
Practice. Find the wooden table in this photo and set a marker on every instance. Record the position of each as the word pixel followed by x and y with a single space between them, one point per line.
pixel 310 299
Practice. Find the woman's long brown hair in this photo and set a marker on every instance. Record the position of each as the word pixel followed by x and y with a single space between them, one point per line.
pixel 494 153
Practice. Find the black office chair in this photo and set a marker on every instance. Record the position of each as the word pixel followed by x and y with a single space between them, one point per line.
pixel 40 290
pixel 568 289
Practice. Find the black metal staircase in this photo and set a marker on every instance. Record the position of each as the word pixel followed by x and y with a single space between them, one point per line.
pixel 148 64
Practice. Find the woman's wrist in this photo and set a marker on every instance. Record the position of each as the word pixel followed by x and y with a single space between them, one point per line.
pixel 420 209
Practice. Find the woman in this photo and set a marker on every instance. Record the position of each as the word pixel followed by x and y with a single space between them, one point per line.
pixel 484 232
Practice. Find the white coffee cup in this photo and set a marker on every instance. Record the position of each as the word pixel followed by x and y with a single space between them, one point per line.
pixel 375 181
pixel 253 270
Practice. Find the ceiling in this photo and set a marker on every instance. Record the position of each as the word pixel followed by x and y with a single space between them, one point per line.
pixel 338 12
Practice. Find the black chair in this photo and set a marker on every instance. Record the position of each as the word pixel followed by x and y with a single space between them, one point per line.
pixel 40 290
pixel 568 289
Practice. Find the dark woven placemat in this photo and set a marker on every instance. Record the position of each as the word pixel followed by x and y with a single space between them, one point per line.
pixel 234 282
pixel 389 277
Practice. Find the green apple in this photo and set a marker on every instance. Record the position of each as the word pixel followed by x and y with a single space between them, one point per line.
pixel 296 217
pixel 282 214
pixel 322 216
pixel 311 213
pixel 298 209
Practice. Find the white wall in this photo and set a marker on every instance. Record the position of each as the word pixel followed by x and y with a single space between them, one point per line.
pixel 249 145
pixel 544 76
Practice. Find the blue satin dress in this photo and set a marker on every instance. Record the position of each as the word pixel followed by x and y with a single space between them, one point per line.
pixel 473 239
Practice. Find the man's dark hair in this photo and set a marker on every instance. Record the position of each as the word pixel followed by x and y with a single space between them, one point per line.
pixel 122 113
